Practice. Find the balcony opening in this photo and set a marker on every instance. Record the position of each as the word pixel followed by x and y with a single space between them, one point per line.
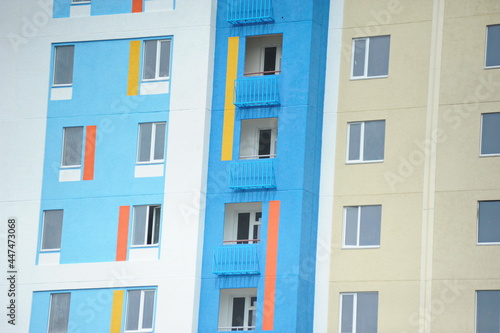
pixel 242 222
pixel 258 138
pixel 263 55
pixel 237 309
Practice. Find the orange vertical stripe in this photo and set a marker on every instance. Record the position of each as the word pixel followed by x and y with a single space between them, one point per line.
pixel 122 239
pixel 88 166
pixel 136 6
pixel 271 263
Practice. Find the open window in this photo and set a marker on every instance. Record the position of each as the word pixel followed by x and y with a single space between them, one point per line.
pixel 237 309
pixel 146 225
pixel 263 55
pixel 258 138
pixel 242 223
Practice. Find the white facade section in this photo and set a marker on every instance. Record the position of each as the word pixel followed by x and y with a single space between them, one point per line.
pixel 79 10
pixel 53 258
pixel 70 175
pixel 153 88
pixel 150 170
pixel 61 93
pixel 155 5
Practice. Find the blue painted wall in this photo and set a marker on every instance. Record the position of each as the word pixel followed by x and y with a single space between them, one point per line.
pixel 100 78
pixel 97 7
pixel 297 164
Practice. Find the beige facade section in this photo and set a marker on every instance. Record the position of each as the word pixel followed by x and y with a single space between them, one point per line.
pixel 429 265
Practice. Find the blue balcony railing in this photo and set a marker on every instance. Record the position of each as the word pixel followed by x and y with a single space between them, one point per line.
pixel 256 91
pixel 236 260
pixel 253 174
pixel 249 11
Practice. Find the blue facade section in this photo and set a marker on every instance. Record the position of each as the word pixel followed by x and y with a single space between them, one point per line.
pixel 97 7
pixel 300 84
pixel 99 98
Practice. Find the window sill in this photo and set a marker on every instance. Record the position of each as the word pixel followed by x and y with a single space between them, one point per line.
pixel 364 162
pixel 487 243
pixel 149 170
pixel 360 247
pixel 489 155
pixel 355 78
pixel 492 67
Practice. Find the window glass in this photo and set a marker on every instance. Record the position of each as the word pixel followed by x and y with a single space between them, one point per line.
pixel 351 226
pixel 165 59
pixel 146 227
pixel 359 312
pixel 347 314
pixel 489 222
pixel 72 146
pixel 359 57
pixel 139 232
pixel 151 146
pixel 63 65
pixel 149 71
pixel 362 225
pixel 52 229
pixel 374 140
pixel 378 57
pixel 493 46
pixel 490 134
pixel 156 59
pixel 133 307
pixel 59 313
pixel 159 145
pixel 488 311
pixel 354 141
pixel 149 302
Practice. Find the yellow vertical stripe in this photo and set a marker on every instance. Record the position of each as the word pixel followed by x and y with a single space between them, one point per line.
pixel 229 109
pixel 133 68
pixel 116 311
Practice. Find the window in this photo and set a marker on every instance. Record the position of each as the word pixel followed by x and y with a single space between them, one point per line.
pixel 156 60
pixel 362 226
pixel 151 146
pixel 237 309
pixel 59 312
pixel 258 138
pixel 263 55
pixel 488 311
pixel 72 146
pixel 63 65
pixel 493 46
pixel 140 311
pixel 358 312
pixel 489 222
pixel 79 1
pixel 370 58
pixel 146 227
pixel 366 141
pixel 490 134
pixel 242 223
pixel 52 230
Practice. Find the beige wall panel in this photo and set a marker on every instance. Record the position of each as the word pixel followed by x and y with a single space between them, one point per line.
pixel 398 257
pixel 407 81
pixel 384 12
pixel 456 255
pixel 463 77
pixel 397 307
pixel 404 151
pixel 463 8
pixel 459 166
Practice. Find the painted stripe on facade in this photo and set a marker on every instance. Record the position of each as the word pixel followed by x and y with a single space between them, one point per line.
pixel 122 239
pixel 271 263
pixel 137 6
pixel 229 108
pixel 116 311
pixel 134 63
pixel 89 160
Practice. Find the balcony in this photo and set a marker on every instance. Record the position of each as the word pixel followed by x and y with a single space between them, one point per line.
pixel 256 91
pixel 254 174
pixel 236 260
pixel 249 11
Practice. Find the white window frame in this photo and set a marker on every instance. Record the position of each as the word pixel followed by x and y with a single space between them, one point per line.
pixel 64 150
pixel 42 249
pixel 226 313
pixel 477 225
pixel 50 310
pixel 481 136
pixel 141 312
pixel 486 48
pixel 156 210
pixel 367 53
pixel 55 66
pixel 358 235
pixel 157 58
pixel 232 211
pixel 152 146
pixel 361 143
pixel 80 2
pixel 354 309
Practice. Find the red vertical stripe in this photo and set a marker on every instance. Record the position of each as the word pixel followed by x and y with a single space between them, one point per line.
pixel 271 263
pixel 122 239
pixel 88 166
pixel 136 6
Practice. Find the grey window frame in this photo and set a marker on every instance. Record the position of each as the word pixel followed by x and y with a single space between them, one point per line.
pixel 482 145
pixel 488 48
pixel 488 232
pixel 367 57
